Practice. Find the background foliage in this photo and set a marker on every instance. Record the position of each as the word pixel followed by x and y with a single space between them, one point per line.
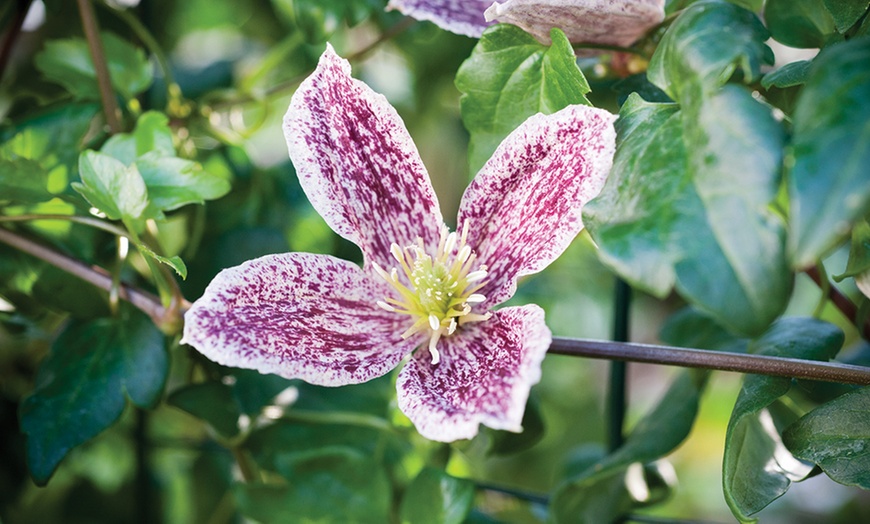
pixel 741 168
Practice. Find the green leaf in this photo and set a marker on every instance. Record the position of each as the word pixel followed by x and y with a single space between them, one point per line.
pixel 599 494
pixel 789 75
pixel 69 63
pixel 174 182
pixel 434 497
pixel 799 23
pixel 690 328
pixel 686 205
pixel 859 254
pixel 828 183
pixel 23 181
pixel 846 12
pixel 112 187
pixel 509 77
pixel 174 262
pixel 508 442
pixel 756 467
pixel 212 402
pixel 319 19
pixel 836 436
pixel 152 135
pixel 81 386
pixel 705 45
pixel 327 485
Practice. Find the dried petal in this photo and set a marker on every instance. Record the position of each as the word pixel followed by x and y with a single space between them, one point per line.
pixel 298 315
pixel 357 163
pixel 524 207
pixel 463 17
pixel 613 22
pixel 484 377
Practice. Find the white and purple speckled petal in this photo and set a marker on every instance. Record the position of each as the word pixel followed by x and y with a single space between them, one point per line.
pixel 298 315
pixel 613 22
pixel 463 17
pixel 484 377
pixel 357 163
pixel 524 207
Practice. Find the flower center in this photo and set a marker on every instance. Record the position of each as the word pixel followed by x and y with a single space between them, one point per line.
pixel 437 292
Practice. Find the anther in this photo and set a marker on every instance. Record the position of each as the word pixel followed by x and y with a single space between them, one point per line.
pixel 383 305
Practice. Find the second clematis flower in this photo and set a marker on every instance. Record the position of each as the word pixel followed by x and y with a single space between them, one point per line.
pixel 423 291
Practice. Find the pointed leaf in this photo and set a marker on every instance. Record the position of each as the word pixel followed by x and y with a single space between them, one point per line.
pixel 705 45
pixel 81 386
pixel 152 135
pixel 434 497
pixel 789 75
pixel 112 187
pixel 859 254
pixel 799 23
pixel 686 204
pixel 828 183
pixel 174 182
pixel 836 436
pixel 509 77
pixel 756 468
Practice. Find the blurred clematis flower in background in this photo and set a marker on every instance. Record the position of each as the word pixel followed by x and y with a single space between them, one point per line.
pixel 611 22
pixel 423 291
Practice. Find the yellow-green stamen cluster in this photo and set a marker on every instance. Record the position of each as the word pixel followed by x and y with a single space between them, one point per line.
pixel 437 292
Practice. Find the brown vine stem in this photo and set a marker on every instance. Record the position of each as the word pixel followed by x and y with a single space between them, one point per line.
pixel 147 302
pixel 104 81
pixel 841 301
pixel 718 360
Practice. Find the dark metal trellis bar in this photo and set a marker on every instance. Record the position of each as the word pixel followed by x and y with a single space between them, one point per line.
pixel 718 360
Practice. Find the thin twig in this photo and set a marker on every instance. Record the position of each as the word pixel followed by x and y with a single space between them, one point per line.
pixel 101 68
pixel 841 301
pixel 719 360
pixel 96 276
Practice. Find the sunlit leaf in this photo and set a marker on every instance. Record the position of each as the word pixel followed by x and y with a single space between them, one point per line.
pixel 23 181
pixel 509 77
pixel 836 436
pixel 828 183
pixel 174 182
pixel 757 468
pixel 82 385
pixel 152 135
pixel 110 186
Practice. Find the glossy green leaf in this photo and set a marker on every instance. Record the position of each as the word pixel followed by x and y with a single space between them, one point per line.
pixel 846 12
pixel 509 77
pixel 859 254
pixel 175 262
pixel 789 75
pixel 212 402
pixel 69 63
pixel 686 205
pixel 23 181
pixel 82 385
pixel 799 23
pixel 705 45
pixel 836 436
pixel 174 182
pixel 152 135
pixel 756 467
pixel 599 494
pixel 828 183
pixel 110 186
pixel 327 485
pixel 434 497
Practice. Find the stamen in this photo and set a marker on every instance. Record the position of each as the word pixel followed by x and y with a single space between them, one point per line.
pixel 474 276
pixel 475 298
pixel 397 253
pixel 383 305
pixel 436 357
pixel 463 255
pixel 434 323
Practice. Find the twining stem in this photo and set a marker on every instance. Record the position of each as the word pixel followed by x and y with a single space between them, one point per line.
pixel 101 68
pixel 841 301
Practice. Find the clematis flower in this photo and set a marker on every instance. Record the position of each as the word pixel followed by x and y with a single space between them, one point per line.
pixel 613 22
pixel 423 291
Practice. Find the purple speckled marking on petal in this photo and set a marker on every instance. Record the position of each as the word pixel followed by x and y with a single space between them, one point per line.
pixel 357 163
pixel 484 377
pixel 463 17
pixel 613 22
pixel 524 206
pixel 298 315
